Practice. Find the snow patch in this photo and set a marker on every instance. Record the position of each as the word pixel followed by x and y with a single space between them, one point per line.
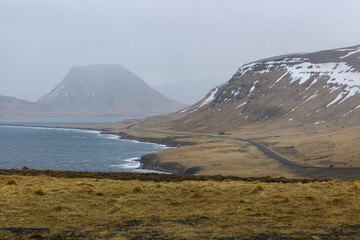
pixel 351 110
pixel 210 98
pixel 336 99
pixel 312 96
pixel 56 92
pixel 241 105
pixel 342 76
pixel 351 53
pixel 279 79
pixel 253 86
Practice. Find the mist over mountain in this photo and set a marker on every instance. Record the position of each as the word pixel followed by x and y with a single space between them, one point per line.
pixel 107 90
pixel 296 89
pixel 11 107
pixel 188 92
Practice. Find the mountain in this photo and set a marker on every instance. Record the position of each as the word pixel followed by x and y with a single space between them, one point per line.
pixel 11 107
pixel 290 90
pixel 107 90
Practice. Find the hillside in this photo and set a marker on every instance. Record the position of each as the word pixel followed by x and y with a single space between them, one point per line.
pixel 295 115
pixel 107 90
pixel 11 107
pixel 293 90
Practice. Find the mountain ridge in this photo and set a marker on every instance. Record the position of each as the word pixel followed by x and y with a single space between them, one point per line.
pixel 11 107
pixel 308 88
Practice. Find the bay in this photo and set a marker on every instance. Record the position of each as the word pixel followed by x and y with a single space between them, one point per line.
pixel 43 147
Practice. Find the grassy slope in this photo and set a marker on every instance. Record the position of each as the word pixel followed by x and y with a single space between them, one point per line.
pixel 56 208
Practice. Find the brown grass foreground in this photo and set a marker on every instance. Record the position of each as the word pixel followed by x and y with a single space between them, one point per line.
pixel 45 207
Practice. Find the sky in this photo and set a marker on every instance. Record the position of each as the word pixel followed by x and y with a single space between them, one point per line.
pixel 200 43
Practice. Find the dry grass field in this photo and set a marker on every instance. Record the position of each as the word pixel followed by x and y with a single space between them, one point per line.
pixel 320 147
pixel 43 207
pixel 310 145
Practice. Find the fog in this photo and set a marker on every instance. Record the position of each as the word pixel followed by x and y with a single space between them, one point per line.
pixel 200 43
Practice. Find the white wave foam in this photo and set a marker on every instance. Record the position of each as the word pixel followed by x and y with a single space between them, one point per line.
pixel 110 136
pixel 130 163
pixel 139 170
pixel 162 146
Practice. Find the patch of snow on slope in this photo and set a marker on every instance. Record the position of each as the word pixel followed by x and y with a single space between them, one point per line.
pixel 235 93
pixel 344 49
pixel 210 98
pixel 269 66
pixel 336 99
pixel 342 76
pixel 56 92
pixel 279 79
pixel 241 105
pixel 351 110
pixel 351 53
pixel 253 86
pixel 293 109
pixel 312 96
pixel 185 110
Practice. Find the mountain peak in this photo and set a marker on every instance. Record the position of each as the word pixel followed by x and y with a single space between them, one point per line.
pixel 101 72
pixel 107 90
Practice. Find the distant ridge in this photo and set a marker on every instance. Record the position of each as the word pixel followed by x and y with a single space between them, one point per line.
pixel 107 90
pixel 11 107
pixel 291 90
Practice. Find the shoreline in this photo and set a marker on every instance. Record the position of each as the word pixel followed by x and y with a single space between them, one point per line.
pixel 147 162
pixel 151 161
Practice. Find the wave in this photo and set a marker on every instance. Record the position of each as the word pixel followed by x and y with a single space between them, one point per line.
pixel 130 163
pixel 139 170
pixel 110 136
pixel 134 164
pixel 162 146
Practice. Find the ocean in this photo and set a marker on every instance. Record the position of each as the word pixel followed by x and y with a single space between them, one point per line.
pixel 41 146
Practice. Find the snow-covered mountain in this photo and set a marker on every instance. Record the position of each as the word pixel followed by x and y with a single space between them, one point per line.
pixel 296 89
pixel 107 90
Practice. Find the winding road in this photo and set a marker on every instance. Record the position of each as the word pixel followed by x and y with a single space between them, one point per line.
pixel 303 170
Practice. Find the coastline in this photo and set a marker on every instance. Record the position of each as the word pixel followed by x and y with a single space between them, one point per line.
pixel 147 161
pixel 151 161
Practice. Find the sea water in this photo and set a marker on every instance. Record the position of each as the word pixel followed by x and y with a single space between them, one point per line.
pixel 40 146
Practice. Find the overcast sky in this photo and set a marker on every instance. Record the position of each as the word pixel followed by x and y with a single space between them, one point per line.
pixel 161 41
